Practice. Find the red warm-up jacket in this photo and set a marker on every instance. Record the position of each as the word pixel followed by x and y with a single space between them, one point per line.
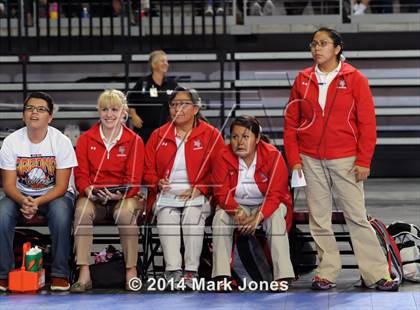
pixel 346 127
pixel 271 177
pixel 123 164
pixel 202 144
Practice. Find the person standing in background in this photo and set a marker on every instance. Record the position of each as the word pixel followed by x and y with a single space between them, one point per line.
pixel 330 135
pixel 148 100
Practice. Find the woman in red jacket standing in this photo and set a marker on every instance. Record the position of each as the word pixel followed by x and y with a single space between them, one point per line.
pixel 251 187
pixel 330 135
pixel 177 172
pixel 109 154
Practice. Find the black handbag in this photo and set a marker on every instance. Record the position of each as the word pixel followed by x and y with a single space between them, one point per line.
pixel 109 274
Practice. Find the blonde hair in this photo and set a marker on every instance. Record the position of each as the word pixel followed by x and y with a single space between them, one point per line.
pixel 112 97
pixel 154 56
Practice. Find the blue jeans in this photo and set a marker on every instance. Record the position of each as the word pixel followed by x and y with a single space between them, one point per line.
pixel 59 213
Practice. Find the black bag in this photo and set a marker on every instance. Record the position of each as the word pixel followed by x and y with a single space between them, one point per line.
pixel 110 274
pixel 302 253
pixel 252 258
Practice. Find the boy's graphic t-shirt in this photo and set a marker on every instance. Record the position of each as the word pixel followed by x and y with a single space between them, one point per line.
pixel 36 164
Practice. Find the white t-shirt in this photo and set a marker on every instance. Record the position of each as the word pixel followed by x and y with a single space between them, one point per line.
pixel 247 191
pixel 35 164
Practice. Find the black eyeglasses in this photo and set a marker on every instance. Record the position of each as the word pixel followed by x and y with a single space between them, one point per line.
pixel 32 108
pixel 321 43
pixel 181 103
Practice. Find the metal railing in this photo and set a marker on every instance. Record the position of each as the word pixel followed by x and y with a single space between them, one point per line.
pixel 54 25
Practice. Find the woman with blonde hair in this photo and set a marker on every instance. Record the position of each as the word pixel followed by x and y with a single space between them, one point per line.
pixel 110 170
pixel 149 97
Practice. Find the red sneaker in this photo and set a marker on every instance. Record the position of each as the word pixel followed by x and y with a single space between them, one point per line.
pixel 59 284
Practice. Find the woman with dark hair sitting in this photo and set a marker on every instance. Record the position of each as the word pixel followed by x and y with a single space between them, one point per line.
pixel 251 187
pixel 177 172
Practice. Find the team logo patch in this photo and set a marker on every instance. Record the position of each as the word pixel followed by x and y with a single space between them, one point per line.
pixel 342 84
pixel 121 151
pixel 263 177
pixel 197 145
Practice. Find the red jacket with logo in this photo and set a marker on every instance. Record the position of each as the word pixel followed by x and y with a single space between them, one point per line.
pixel 271 177
pixel 202 144
pixel 123 164
pixel 346 127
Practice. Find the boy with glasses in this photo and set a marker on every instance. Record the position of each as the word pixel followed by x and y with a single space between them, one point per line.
pixel 36 163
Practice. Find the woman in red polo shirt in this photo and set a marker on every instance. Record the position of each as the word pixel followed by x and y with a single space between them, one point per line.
pixel 251 187
pixel 177 172
pixel 330 135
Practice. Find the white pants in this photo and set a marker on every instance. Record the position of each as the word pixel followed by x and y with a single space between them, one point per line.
pixel 169 223
pixel 275 228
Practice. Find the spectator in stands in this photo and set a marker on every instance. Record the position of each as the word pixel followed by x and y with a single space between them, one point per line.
pixel 109 155
pixel 360 6
pixel 36 163
pixel 262 8
pixel 330 135
pixel 2 10
pixel 177 171
pixel 218 5
pixel 250 181
pixel 149 98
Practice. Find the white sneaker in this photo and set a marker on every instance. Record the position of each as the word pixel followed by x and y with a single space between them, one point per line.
pixel 209 11
pixel 220 11
pixel 255 9
pixel 269 8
